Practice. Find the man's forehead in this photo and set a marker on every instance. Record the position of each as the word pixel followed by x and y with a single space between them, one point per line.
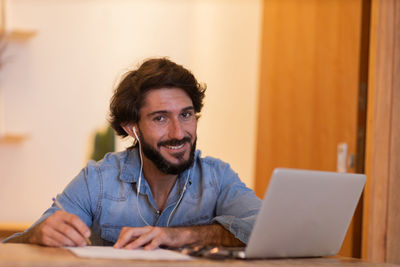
pixel 169 98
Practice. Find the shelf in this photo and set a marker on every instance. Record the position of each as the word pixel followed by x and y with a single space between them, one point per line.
pixel 10 226
pixel 12 34
pixel 13 138
pixel 19 35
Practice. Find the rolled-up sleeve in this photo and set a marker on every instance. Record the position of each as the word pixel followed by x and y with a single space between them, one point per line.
pixel 237 205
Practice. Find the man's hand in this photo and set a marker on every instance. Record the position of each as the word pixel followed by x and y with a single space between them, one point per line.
pixel 151 237
pixel 59 229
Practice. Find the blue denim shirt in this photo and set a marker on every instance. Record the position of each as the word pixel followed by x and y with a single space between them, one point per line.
pixel 104 196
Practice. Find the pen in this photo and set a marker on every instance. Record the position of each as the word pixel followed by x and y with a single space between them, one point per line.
pixel 58 204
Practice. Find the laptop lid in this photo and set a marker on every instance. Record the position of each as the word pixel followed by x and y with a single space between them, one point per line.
pixel 304 214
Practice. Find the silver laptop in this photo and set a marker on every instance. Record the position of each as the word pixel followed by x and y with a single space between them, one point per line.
pixel 303 214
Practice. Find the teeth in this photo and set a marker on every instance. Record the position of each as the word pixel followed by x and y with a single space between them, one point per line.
pixel 175 147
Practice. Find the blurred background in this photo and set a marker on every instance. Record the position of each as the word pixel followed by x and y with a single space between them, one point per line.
pixel 310 84
pixel 56 83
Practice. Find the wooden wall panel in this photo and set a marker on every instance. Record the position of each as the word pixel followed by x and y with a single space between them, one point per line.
pixel 381 219
pixel 309 85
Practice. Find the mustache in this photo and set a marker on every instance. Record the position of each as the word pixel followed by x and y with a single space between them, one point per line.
pixel 174 142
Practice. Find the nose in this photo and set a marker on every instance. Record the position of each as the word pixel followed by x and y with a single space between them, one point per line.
pixel 176 130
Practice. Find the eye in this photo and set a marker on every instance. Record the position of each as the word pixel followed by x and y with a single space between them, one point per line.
pixel 159 118
pixel 187 115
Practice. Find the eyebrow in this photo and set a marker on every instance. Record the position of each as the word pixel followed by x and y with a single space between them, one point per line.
pixel 166 112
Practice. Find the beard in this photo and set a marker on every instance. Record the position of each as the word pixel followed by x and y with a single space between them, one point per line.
pixel 164 165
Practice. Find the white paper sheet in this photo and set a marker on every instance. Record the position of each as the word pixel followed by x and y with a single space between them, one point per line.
pixel 137 254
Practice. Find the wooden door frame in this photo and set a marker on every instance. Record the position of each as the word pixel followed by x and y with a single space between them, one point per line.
pixel 381 215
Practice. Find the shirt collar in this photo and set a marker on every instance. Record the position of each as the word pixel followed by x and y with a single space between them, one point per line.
pixel 131 166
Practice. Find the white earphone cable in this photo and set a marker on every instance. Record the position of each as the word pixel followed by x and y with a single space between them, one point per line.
pixel 180 198
pixel 140 179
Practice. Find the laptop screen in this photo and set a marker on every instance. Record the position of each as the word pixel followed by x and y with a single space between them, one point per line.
pixel 304 214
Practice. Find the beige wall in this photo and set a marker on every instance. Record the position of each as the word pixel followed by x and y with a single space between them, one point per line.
pixel 56 86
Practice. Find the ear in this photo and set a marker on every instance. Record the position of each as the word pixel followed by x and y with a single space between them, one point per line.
pixel 128 128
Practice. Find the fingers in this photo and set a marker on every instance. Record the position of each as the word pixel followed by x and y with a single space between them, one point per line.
pixel 77 224
pixel 152 238
pixel 128 234
pixel 155 243
pixel 61 229
pixel 147 237
pixel 172 237
pixel 71 233
pixel 51 237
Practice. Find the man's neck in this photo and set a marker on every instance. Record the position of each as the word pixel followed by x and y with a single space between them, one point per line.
pixel 160 183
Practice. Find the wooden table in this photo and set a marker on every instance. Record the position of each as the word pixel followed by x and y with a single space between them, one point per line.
pixel 32 255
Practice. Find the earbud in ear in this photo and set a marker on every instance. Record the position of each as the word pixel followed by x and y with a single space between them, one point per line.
pixel 134 132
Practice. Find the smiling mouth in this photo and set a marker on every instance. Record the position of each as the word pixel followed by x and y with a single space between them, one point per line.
pixel 174 144
pixel 175 147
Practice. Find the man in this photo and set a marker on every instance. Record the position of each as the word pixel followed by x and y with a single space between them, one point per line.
pixel 160 191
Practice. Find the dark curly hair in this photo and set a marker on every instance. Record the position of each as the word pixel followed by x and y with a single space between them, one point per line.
pixel 152 74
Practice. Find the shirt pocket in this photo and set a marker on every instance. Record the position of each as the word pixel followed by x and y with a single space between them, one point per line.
pixel 110 233
pixel 199 193
pixel 118 194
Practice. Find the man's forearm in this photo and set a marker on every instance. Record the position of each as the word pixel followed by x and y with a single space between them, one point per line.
pixel 212 235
